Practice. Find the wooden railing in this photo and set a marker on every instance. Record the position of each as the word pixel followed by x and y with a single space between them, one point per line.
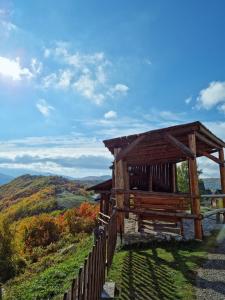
pixel 91 276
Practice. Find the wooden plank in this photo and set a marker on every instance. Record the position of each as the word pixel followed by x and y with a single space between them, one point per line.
pixel 159 213
pixel 74 289
pixel 212 157
pixel 222 177
pixel 174 178
pixel 129 148
pixel 206 140
pixel 104 215
pixel 85 280
pixel 182 147
pixel 194 188
pixel 79 293
pixel 213 212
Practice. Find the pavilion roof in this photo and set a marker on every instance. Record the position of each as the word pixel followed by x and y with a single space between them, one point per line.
pixel 165 145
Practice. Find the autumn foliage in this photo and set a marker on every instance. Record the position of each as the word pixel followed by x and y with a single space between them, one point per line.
pixel 44 229
pixel 82 219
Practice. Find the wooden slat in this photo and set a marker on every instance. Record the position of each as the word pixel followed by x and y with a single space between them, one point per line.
pixel 161 213
pixel 91 277
pixel 182 147
pixel 222 176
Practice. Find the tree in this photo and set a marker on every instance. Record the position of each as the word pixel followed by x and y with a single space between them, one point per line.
pixel 7 268
pixel 183 178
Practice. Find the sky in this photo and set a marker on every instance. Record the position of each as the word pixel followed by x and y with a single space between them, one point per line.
pixel 76 72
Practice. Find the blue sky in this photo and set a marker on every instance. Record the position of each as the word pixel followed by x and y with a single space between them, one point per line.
pixel 73 73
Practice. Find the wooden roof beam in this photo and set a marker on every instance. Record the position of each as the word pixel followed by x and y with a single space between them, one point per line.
pixel 206 140
pixel 212 157
pixel 210 135
pixel 182 147
pixel 129 148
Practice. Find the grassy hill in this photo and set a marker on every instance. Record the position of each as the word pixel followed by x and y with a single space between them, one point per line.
pixel 30 195
pixel 45 226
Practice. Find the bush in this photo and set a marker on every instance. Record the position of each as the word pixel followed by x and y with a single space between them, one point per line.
pixel 38 231
pixel 82 219
pixel 7 266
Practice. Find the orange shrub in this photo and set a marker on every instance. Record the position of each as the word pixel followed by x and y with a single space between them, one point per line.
pixel 38 231
pixel 82 219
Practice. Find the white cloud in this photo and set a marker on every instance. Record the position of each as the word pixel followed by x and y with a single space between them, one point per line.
pixel 118 89
pixel 47 52
pixel 44 108
pixel 188 100
pixel 165 117
pixel 13 69
pixel 212 95
pixel 86 74
pixel 36 66
pixel 222 108
pixel 110 115
pixel 70 155
pixel 64 79
pixel 87 87
pixel 50 80
pixel 8 26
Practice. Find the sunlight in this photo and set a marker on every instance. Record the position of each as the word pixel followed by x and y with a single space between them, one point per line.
pixel 12 69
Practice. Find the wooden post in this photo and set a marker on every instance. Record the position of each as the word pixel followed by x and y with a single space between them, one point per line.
pixel 194 188
pixel 174 178
pixel 126 187
pixel 102 203
pixel 119 184
pixel 222 177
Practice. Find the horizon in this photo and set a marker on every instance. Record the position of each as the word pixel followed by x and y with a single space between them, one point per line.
pixel 104 70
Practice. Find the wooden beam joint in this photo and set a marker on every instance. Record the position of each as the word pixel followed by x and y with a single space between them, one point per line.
pixel 182 147
pixel 122 154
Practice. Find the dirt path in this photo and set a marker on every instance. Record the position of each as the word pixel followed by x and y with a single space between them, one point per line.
pixel 211 277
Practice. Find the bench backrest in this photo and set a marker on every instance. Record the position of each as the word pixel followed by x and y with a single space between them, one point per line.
pixel 161 202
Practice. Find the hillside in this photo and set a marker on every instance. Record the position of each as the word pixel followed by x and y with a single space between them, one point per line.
pixel 212 183
pixel 45 227
pixel 42 193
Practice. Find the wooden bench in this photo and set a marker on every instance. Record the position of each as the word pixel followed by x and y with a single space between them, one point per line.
pixel 160 202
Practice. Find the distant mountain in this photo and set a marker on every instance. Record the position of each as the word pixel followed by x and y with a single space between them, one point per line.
pixel 95 178
pixel 5 178
pixel 212 183
pixel 34 194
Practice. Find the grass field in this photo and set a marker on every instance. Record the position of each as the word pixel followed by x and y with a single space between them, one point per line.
pixel 158 271
pixel 50 277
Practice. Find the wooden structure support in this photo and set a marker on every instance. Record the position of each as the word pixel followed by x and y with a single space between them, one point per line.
pixel 193 179
pixel 144 175
pixel 183 148
pixel 222 176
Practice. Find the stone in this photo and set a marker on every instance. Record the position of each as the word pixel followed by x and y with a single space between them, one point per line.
pixel 108 290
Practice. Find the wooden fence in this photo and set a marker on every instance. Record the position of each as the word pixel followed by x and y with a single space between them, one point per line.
pixel 91 276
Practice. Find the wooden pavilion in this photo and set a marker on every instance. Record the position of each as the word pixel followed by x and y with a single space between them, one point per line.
pixel 144 176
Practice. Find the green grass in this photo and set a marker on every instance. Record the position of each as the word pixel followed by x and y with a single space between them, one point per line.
pixel 69 200
pixel 53 280
pixel 158 271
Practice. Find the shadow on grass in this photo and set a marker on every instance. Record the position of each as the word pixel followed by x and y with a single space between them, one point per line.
pixel 160 271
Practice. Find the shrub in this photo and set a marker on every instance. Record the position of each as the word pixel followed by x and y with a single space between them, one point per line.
pixel 82 219
pixel 38 231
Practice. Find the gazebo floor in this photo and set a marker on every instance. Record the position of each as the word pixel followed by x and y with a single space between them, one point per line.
pixel 163 230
